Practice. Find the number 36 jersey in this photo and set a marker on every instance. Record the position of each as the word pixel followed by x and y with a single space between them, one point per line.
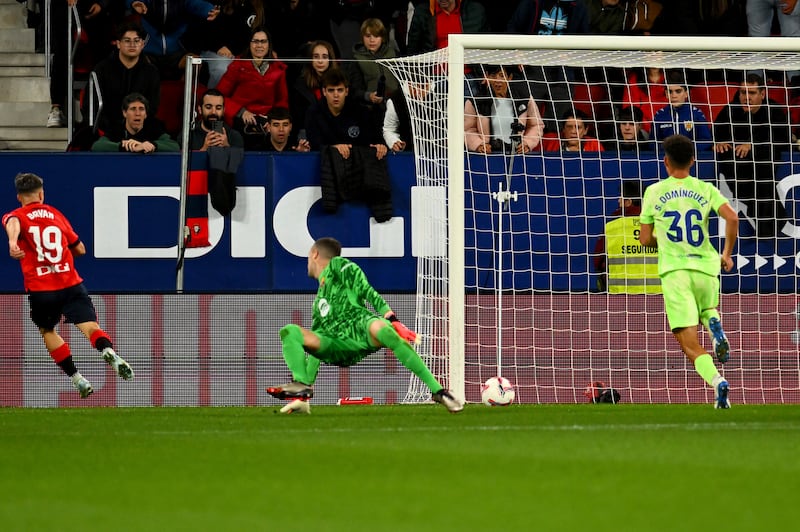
pixel 45 236
pixel 679 211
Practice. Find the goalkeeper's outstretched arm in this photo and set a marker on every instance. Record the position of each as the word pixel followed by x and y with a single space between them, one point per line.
pixel 404 332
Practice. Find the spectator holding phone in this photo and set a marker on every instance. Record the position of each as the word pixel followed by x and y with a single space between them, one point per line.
pixel 225 149
pixel 210 130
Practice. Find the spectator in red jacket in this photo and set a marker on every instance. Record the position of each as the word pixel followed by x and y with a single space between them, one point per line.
pixel 574 135
pixel 647 90
pixel 254 85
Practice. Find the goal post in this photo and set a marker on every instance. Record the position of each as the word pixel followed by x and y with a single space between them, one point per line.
pixel 528 295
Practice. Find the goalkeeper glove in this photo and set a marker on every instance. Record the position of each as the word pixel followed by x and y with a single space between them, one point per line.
pixel 404 332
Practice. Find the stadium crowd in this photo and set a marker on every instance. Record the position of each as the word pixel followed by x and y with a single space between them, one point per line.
pixel 291 43
pixel 313 64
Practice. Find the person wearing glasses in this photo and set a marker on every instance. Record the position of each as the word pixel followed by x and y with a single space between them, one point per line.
pixel 679 117
pixel 219 41
pixel 252 86
pixel 123 72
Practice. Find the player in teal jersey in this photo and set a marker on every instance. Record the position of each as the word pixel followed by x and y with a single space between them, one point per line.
pixel 344 330
pixel 674 217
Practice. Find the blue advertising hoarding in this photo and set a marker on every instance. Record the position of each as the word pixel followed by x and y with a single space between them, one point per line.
pixel 125 208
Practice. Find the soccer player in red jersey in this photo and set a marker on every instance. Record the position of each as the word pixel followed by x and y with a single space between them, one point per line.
pixel 42 239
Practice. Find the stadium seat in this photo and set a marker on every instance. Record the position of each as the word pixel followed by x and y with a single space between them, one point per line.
pixel 170 110
pixel 794 115
pixel 592 99
pixel 712 98
pixel 778 92
pixel 171 106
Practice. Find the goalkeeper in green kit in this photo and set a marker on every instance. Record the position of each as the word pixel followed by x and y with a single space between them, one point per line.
pixel 344 330
pixel 674 217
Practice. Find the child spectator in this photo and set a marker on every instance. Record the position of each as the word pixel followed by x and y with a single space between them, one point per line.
pixel 679 117
pixel 630 133
pixel 370 82
pixel 574 135
pixel 306 90
pixel 279 132
pixel 337 123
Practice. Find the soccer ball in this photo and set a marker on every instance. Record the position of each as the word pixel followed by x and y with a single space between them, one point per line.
pixel 497 391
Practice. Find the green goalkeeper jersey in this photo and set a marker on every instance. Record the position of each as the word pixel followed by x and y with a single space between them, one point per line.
pixel 341 298
pixel 679 211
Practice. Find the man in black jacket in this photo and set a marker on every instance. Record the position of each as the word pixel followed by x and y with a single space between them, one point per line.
pixel 335 122
pixel 750 133
pixel 210 130
pixel 353 156
pixel 125 72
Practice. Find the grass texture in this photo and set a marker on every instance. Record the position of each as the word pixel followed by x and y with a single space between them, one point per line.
pixel 405 468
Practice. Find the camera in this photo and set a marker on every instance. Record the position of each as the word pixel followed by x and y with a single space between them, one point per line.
pixel 498 146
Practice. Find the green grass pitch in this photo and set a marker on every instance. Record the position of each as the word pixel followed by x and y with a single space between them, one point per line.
pixel 406 468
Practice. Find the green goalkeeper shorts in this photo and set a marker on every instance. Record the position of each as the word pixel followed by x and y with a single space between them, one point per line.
pixel 687 293
pixel 346 347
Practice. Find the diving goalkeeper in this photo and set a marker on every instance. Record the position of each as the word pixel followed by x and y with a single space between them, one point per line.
pixel 344 330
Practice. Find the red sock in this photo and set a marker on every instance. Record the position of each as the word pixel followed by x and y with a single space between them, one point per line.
pixel 60 353
pixel 100 340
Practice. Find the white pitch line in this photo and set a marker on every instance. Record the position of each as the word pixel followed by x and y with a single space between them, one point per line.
pixel 282 429
pixel 519 428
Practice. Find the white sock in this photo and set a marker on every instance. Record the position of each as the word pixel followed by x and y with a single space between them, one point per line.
pixel 716 380
pixel 75 378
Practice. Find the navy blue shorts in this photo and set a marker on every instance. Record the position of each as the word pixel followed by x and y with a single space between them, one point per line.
pixel 73 303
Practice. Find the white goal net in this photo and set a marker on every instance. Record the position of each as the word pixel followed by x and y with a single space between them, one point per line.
pixel 521 287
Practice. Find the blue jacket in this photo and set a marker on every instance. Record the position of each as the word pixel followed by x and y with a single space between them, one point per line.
pixel 167 20
pixel 686 120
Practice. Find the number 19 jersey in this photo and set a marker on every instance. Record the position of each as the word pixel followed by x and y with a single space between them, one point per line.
pixel 45 236
pixel 679 211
